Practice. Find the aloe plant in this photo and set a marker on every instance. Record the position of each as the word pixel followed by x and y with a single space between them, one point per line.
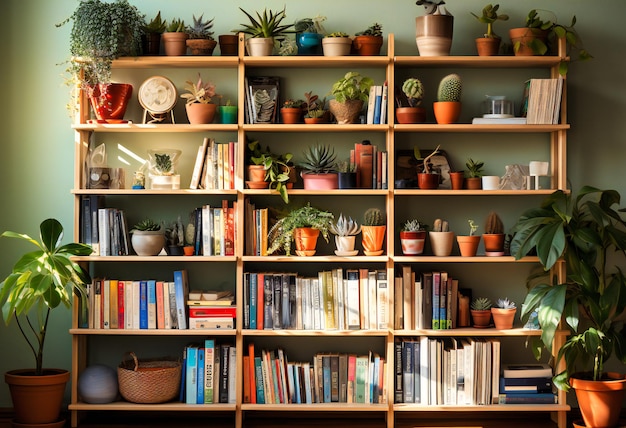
pixel 481 304
pixel 266 24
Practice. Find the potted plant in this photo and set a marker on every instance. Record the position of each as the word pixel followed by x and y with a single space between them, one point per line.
pixel 414 92
pixel 369 41
pixel 489 44
pixel 504 314
pixel 264 30
pixel 229 44
pixel 227 113
pixel 373 228
pixel 302 225
pixel 473 174
pixel 336 43
pixel 277 172
pixel 536 36
pixel 199 107
pixel 350 92
pixel 480 308
pixel 175 238
pixel 200 41
pixel 413 237
pixel 292 111
pixel 40 281
pixel 468 244
pixel 151 37
pixel 345 230
pixel 447 108
pixel 493 237
pixel 441 238
pixel 102 32
pixel 427 178
pixel 315 109
pixel 175 38
pixel 309 34
pixel 162 167
pixel 583 231
pixel 346 175
pixel 457 179
pixel 147 238
pixel 433 31
pixel 319 168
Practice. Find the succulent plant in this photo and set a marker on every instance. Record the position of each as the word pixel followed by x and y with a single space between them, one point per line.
pixel 489 16
pixel 199 92
pixel 450 88
pixel 373 217
pixel 373 30
pixel 163 163
pixel 414 91
pixel 156 25
pixel 413 225
pixel 319 159
pixel 345 226
pixel 440 225
pixel 432 6
pixel 200 29
pixel 147 225
pixel 473 226
pixel 494 223
pixel 337 34
pixel 474 169
pixel 481 304
pixel 505 304
pixel 176 26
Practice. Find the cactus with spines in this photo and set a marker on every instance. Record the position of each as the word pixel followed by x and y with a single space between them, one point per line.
pixel 373 217
pixel 441 226
pixel 450 88
pixel 414 91
pixel 494 224
pixel 481 304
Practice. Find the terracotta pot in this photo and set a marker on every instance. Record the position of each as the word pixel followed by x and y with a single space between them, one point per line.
pixel 367 45
pixel 473 183
pixel 260 46
pixel 441 243
pixel 522 36
pixel 37 399
pixel 457 178
pixel 201 46
pixel 315 120
pixel 447 111
pixel 503 318
pixel 428 181
pixel 412 242
pixel 306 240
pixel 494 244
pixel 488 46
pixel 433 34
pixel 410 115
pixel 320 181
pixel 188 250
pixel 109 101
pixel 347 112
pixel 373 238
pixel 199 113
pixel 256 173
pixel 468 245
pixel 291 115
pixel 336 46
pixel 229 44
pixel 147 243
pixel 599 401
pixel 174 43
pixel 481 319
pixel 151 44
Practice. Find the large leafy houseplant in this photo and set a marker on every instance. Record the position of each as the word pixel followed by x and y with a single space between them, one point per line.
pixel 281 234
pixel 40 281
pixel 586 232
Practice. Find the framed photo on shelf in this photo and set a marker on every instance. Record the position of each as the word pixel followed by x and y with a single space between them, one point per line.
pixel 262 95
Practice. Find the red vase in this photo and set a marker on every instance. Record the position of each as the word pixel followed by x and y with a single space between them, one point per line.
pixel 109 100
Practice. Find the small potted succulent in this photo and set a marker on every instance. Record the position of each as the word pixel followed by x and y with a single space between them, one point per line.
pixel 473 174
pixel 350 92
pixel 319 168
pixel 433 31
pixel 503 314
pixel 175 238
pixel 441 238
pixel 199 95
pixel 336 43
pixel 345 230
pixel 447 108
pixel 264 30
pixel 346 175
pixel 489 44
pixel 427 178
pixel 468 244
pixel 369 41
pixel 413 89
pixel 493 237
pixel 147 238
pixel 163 169
pixel 200 41
pixel 292 111
pixel 413 237
pixel 315 111
pixel 151 38
pixel 175 38
pixel 302 225
pixel 480 308
pixel 373 228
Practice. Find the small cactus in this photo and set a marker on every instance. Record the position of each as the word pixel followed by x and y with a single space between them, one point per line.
pixel 413 226
pixel 505 304
pixel 450 88
pixel 481 304
pixel 373 217
pixel 345 226
pixel 441 225
pixel 414 91
pixel 473 227
pixel 494 224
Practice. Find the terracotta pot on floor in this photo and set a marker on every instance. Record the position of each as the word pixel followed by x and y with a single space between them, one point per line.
pixel 600 401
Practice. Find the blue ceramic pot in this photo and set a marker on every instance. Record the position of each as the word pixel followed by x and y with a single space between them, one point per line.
pixel 309 43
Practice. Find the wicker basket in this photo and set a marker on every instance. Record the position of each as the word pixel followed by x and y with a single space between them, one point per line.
pixel 148 381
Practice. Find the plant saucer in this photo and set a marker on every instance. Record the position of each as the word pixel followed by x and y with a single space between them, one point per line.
pixel 305 253
pixel 373 253
pixel 494 253
pixel 257 184
pixel 346 253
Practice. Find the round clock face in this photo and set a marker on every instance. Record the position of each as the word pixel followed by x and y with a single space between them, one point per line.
pixel 157 94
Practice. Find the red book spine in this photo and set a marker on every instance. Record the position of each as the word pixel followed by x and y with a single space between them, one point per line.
pixel 120 304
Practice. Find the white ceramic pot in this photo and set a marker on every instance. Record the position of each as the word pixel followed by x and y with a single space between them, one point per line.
pixel 441 243
pixel 147 242
pixel 336 46
pixel 260 46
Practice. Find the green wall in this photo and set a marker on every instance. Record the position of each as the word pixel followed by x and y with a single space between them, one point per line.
pixel 36 139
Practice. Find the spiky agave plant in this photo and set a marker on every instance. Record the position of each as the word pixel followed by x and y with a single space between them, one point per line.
pixel 345 226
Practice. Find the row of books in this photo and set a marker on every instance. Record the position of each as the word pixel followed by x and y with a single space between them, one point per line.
pixel 209 373
pixel 377 105
pixel 270 378
pixel 544 101
pixel 215 165
pixel 215 229
pixel 429 300
pixel 338 299
pixel 256 220
pixel 370 165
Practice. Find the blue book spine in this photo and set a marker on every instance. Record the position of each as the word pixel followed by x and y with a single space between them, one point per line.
pixel 296 381
pixel 181 297
pixel 260 392
pixel 200 377
pixel 143 305
pixel 326 378
pixel 191 380
pixel 253 300
pixel 378 104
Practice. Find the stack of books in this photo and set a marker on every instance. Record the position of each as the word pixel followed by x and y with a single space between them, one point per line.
pixel 211 310
pixel 526 384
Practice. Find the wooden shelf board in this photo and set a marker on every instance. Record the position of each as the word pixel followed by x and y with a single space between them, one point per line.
pixel 318 407
pixel 470 128
pixel 467 192
pixel 470 61
pixel 461 259
pixel 315 259
pixel 489 408
pixel 156 259
pixel 317 61
pixel 328 127
pixel 186 61
pixel 176 406
pixel 325 333
pixel 154 127
pixel 138 192
pixel 150 332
